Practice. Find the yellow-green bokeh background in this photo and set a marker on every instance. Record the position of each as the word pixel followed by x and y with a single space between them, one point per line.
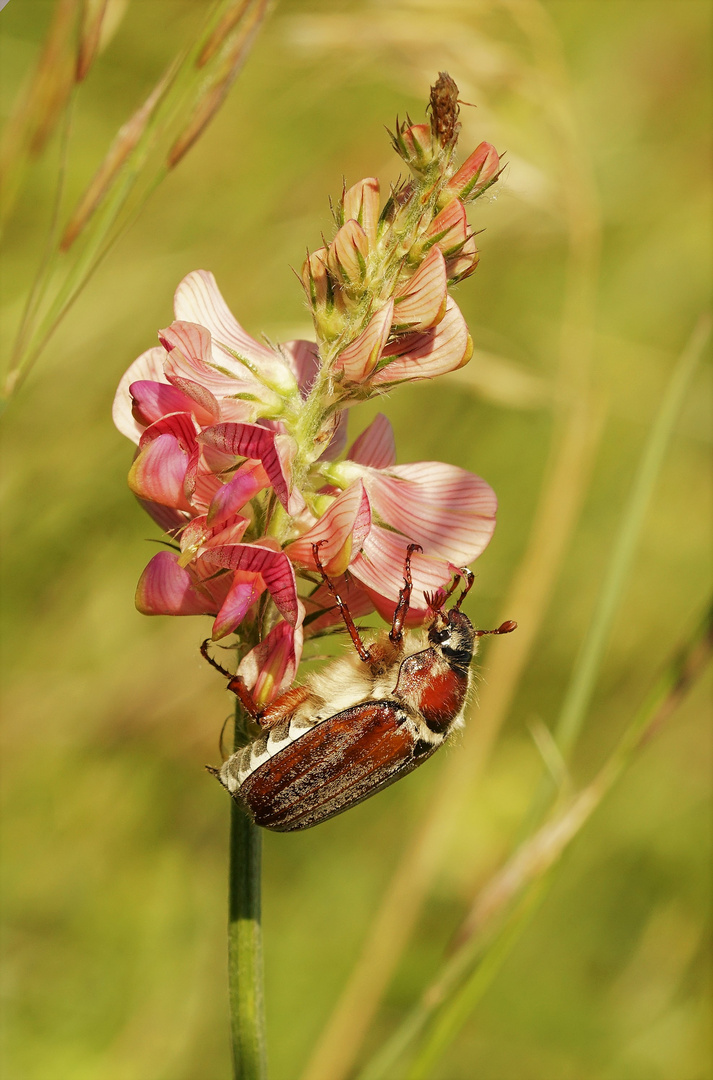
pixel 114 860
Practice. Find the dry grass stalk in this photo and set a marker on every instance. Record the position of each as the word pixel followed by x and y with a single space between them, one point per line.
pixel 235 50
pixel 125 142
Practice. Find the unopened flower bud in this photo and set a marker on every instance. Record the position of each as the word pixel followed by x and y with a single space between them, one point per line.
pixel 414 143
pixel 347 254
pixel 475 175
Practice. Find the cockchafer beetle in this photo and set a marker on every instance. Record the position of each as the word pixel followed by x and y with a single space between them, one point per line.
pixel 363 722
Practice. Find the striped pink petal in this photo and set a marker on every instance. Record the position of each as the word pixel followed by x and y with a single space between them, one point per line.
pixel 360 358
pixel 191 361
pixel 302 357
pixel 245 590
pixel 421 301
pixel 478 172
pixel 231 497
pixel 274 566
pixel 180 425
pixel 376 445
pixel 169 519
pixel 198 535
pixel 380 570
pixel 152 400
pixel 443 348
pixel 348 253
pixel 253 441
pixel 147 367
pixel 323 613
pixel 361 202
pixel 271 666
pixel 199 300
pixel 159 471
pixel 450 228
pixel 165 588
pixel 449 511
pixel 343 528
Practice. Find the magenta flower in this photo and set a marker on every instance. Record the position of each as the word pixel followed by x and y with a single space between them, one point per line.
pixel 240 446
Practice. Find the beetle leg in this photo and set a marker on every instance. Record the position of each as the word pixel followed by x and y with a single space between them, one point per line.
pixel 469 579
pixel 396 632
pixel 344 610
pixel 236 683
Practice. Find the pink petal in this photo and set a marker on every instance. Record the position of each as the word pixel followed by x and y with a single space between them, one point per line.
pixel 165 588
pixel 271 666
pixel 421 302
pixel 302 358
pixel 450 228
pixel 361 202
pixel 198 535
pixel 169 519
pixel 380 569
pixel 343 526
pixel 197 366
pixel 376 445
pixel 245 590
pixel 253 441
pixel 338 440
pixel 158 473
pixel 198 300
pixel 443 348
pixel 449 511
pixel 348 252
pixel 149 367
pixel 180 425
pixel 321 604
pixel 231 497
pixel 475 174
pixel 152 400
pixel 275 567
pixel 360 358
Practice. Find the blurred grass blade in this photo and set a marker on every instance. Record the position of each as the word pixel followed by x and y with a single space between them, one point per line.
pixel 579 694
pixel 39 104
pixel 505 906
pixel 126 141
pixel 232 58
pixel 192 86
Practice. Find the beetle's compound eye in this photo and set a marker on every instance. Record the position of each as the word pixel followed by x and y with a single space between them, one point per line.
pixel 440 636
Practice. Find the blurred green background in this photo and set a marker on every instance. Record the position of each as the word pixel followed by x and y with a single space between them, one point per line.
pixel 114 838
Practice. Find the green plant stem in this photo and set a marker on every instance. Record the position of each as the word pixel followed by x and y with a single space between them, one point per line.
pixel 245 967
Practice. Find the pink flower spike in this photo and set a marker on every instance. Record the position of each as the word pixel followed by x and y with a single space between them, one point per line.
pixel 253 441
pixel 343 526
pixel 348 253
pixel 245 590
pixel 271 666
pixel 360 358
pixel 231 497
pixel 477 173
pixel 165 588
pixel 199 300
pixel 275 567
pixel 159 471
pixel 443 348
pixel 421 301
pixel 147 367
pixel 376 445
pixel 361 202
